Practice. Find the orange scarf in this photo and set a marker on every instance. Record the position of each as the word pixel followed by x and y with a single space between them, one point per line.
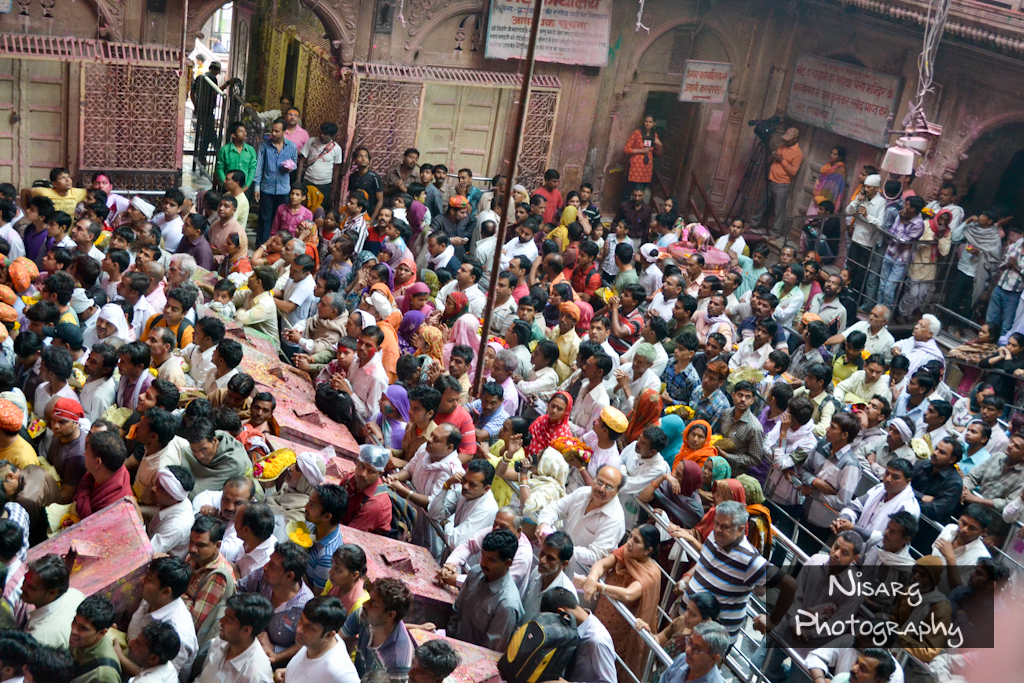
pixel 646 413
pixel 698 455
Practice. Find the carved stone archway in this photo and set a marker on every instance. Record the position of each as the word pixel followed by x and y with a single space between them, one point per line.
pixel 338 17
pixel 421 20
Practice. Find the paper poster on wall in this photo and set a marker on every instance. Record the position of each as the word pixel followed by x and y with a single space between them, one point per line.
pixel 571 31
pixel 842 98
pixel 705 82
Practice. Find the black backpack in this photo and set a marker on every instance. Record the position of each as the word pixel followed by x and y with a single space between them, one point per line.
pixel 540 650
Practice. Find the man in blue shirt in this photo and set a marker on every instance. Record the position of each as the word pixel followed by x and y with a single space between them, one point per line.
pixel 705 648
pixel 277 158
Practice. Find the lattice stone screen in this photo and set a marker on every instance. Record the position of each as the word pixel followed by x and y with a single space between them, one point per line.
pixel 125 111
pixel 387 119
pixel 326 98
pixel 536 147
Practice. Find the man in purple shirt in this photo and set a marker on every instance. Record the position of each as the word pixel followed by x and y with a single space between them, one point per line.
pixel 195 243
pixel 909 226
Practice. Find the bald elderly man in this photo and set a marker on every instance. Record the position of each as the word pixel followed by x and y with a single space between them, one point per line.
pixel 591 516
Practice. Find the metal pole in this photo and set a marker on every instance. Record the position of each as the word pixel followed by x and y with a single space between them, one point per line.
pixel 512 156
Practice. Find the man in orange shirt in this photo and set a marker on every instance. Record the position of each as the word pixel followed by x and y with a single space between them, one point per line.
pixel 785 163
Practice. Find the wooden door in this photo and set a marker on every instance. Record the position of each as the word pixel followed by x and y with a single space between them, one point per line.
pixel 43 89
pixel 33 119
pixel 483 116
pixel 674 122
pixel 464 127
pixel 9 172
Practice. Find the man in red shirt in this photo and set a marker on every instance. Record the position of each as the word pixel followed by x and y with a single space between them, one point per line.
pixel 369 506
pixel 549 190
pixel 585 278
pixel 451 412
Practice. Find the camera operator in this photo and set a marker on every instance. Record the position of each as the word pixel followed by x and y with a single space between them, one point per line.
pixel 785 162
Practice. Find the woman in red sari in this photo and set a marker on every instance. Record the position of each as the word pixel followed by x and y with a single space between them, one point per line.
pixel 632 577
pixel 552 425
pixel 643 145
pixel 106 480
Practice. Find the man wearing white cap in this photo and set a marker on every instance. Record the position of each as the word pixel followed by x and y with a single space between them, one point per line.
pixel 868 211
pixel 170 528
pixel 786 162
pixel 651 278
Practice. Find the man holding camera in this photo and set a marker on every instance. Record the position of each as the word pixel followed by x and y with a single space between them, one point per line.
pixel 786 162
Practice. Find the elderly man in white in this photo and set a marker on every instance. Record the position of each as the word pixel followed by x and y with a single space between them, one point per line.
pixel 591 516
pixel 879 339
pixel 921 346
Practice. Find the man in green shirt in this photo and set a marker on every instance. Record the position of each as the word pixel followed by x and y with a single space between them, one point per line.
pixel 237 155
pixel 95 659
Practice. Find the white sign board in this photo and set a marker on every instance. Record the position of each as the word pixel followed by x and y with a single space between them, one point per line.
pixel 845 99
pixel 571 31
pixel 705 82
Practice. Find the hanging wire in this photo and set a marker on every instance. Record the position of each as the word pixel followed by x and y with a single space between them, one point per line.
pixel 401 6
pixel 935 23
pixel 639 18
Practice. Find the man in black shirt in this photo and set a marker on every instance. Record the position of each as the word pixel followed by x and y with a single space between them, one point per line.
pixel 364 179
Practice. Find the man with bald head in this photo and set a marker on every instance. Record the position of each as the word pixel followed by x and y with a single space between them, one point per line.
pixel 467 554
pixel 155 295
pixel 224 504
pixel 592 517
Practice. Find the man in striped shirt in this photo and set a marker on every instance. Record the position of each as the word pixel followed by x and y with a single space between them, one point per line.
pixel 729 567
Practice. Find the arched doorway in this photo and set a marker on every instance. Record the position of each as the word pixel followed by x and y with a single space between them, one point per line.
pixel 992 176
pixel 691 138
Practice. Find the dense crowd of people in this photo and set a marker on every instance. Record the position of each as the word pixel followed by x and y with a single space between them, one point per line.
pixel 651 391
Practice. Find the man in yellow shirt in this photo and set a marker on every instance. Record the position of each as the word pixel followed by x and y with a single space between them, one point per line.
pixel 13 448
pixel 64 196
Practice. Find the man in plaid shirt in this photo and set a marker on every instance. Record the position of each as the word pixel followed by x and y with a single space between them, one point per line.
pixel 213 580
pixel 708 400
pixel 1003 305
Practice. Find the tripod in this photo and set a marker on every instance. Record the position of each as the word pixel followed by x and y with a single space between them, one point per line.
pixel 753 186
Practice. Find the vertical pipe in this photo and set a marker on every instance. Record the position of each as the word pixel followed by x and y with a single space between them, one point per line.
pixel 512 156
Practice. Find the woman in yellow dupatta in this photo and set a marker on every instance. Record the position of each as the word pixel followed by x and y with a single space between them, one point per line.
pixel 632 577
pixel 561 233
pixel 759 531
pixel 345 578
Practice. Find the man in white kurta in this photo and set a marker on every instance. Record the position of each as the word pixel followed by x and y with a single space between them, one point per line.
pixel 591 516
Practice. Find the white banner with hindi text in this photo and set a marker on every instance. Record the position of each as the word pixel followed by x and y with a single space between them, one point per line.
pixel 705 82
pixel 842 98
pixel 571 31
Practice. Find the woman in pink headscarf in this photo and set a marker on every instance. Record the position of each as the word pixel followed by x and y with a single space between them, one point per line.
pixel 464 332
pixel 416 298
pixel 405 276
pixel 586 315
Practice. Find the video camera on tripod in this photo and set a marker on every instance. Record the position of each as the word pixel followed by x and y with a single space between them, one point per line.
pixel 765 128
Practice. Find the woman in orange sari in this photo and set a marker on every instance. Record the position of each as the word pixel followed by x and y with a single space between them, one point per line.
pixel 307 232
pixel 631 576
pixel 646 413
pixel 696 444
pixel 429 346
